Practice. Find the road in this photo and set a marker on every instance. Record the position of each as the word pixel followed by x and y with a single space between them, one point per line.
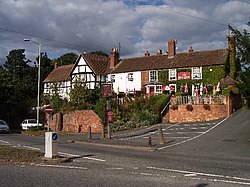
pixel 196 155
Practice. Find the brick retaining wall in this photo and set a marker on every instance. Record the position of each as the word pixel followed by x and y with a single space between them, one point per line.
pixel 198 113
pixel 77 121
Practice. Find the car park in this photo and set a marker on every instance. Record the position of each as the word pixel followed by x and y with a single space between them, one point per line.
pixel 4 127
pixel 29 123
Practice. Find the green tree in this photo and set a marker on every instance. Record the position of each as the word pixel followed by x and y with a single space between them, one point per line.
pixel 243 56
pixel 78 95
pixel 68 58
pixel 101 53
pixel 18 86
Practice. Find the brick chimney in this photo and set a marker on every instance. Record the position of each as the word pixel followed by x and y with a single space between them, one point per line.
pixel 113 58
pixel 171 48
pixel 147 53
pixel 159 52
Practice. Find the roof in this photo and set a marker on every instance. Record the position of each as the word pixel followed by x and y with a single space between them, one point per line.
pixel 59 74
pixel 97 63
pixel 180 60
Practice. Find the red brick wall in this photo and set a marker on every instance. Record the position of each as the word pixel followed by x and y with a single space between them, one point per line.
pixel 78 121
pixel 198 113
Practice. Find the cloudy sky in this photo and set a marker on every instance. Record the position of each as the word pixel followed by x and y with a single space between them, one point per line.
pixel 63 26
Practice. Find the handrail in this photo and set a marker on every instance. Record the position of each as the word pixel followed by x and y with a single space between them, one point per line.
pixel 163 110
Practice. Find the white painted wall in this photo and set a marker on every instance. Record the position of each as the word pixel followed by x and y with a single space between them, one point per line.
pixel 122 82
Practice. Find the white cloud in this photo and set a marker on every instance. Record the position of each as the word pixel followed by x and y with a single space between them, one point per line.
pixel 63 26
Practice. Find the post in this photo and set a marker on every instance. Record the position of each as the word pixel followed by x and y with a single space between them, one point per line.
pixel 103 132
pixel 48 128
pixel 89 133
pixel 149 141
pixel 161 137
pixel 109 131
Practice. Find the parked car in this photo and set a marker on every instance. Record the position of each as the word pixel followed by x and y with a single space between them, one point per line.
pixel 29 123
pixel 4 127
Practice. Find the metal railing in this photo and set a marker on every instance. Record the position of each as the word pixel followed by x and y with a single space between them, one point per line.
pixel 196 100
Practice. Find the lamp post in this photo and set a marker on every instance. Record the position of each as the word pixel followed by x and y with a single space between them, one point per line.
pixel 38 81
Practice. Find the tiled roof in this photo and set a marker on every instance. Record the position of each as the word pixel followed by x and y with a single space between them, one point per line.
pixel 180 60
pixel 61 73
pixel 97 63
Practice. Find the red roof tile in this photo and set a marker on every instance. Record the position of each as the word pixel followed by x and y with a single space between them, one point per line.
pixel 61 73
pixel 97 63
pixel 180 60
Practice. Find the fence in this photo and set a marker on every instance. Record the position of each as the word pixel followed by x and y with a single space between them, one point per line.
pixel 196 100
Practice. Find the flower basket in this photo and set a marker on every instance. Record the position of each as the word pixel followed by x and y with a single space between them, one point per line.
pixel 174 107
pixel 189 108
pixel 206 106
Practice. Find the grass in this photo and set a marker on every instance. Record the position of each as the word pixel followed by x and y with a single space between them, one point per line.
pixel 17 155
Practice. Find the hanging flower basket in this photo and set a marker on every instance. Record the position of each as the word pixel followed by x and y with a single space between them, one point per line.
pixel 206 106
pixel 174 107
pixel 189 107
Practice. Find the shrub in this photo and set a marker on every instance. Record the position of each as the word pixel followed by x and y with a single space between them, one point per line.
pixel 206 106
pixel 189 107
pixel 174 107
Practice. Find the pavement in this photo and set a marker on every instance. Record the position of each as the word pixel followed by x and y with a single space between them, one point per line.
pixel 148 138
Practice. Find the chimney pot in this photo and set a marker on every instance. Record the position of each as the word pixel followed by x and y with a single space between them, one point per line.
pixel 190 49
pixel 55 65
pixel 159 52
pixel 147 53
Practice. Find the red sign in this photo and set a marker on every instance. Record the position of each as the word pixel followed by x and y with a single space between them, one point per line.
pixel 183 75
pixel 49 109
pixel 109 116
pixel 106 89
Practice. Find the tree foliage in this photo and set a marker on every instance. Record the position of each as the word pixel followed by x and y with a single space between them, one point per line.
pixel 68 58
pixel 243 56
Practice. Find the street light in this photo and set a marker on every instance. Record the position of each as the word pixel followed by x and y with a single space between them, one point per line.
pixel 38 81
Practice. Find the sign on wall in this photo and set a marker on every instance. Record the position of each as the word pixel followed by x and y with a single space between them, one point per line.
pixel 183 75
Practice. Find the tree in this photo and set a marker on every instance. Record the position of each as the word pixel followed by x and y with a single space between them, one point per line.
pixel 68 58
pixel 243 56
pixel 101 53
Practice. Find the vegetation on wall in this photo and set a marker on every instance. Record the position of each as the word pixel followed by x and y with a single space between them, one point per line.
pixel 211 75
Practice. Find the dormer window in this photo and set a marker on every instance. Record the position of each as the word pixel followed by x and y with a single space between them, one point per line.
pixel 130 77
pixel 172 74
pixel 197 73
pixel 153 76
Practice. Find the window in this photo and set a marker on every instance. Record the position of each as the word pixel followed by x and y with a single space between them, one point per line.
pixel 130 77
pixel 158 89
pixel 152 76
pixel 112 78
pixel 172 87
pixel 172 74
pixel 197 73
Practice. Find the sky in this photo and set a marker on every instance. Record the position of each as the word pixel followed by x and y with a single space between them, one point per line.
pixel 134 26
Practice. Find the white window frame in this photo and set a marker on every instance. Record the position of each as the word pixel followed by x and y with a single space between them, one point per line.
pixel 130 77
pixel 195 73
pixel 172 74
pixel 153 76
pixel 158 89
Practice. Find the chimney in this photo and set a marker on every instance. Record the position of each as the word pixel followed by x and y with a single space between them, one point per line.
pixel 147 53
pixel 55 65
pixel 190 50
pixel 114 58
pixel 159 52
pixel 171 48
